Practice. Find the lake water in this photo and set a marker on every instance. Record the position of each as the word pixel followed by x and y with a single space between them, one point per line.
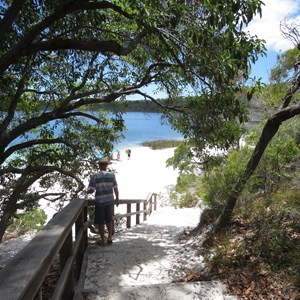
pixel 143 127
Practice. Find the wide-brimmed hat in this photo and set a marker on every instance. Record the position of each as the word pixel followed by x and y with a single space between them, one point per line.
pixel 104 161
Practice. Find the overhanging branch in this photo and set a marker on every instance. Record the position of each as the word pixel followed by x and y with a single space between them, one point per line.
pixel 60 11
pixel 31 143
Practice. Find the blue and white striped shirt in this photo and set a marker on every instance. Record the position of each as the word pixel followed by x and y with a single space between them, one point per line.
pixel 103 183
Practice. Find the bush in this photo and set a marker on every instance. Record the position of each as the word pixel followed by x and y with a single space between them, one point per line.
pixel 266 237
pixel 186 199
pixel 275 166
pixel 161 144
pixel 28 221
pixel 186 192
pixel 217 184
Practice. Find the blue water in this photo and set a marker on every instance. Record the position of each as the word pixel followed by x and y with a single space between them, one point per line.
pixel 141 127
pixel 145 127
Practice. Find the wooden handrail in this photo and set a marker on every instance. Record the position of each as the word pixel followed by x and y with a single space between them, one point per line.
pixel 23 276
pixel 149 204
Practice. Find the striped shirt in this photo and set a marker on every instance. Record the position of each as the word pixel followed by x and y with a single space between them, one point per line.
pixel 103 183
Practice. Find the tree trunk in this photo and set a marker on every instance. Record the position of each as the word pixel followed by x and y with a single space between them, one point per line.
pixel 8 210
pixel 268 132
pixel 10 206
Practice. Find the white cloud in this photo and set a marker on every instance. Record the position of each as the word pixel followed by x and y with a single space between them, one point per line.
pixel 268 27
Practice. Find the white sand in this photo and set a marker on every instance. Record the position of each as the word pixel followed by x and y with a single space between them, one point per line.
pixel 145 172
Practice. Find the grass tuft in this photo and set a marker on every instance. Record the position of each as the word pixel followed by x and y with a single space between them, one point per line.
pixel 161 144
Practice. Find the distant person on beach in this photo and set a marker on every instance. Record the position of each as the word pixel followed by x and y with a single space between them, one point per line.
pixel 105 185
pixel 128 151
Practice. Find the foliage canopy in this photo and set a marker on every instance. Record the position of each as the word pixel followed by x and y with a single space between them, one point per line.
pixel 58 59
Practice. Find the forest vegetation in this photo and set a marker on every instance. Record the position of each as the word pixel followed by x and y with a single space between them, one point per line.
pixel 258 254
pixel 62 66
pixel 59 62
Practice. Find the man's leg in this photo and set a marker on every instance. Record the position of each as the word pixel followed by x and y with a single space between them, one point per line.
pixel 101 232
pixel 109 221
pixel 100 220
pixel 109 229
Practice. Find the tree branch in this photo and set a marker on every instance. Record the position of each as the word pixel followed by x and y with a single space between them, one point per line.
pixel 46 195
pixel 16 97
pixel 293 89
pixel 108 46
pixel 42 170
pixel 32 173
pixel 9 17
pixel 59 12
pixel 31 143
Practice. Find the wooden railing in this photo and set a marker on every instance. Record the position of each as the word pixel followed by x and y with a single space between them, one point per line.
pixel 64 236
pixel 23 276
pixel 149 205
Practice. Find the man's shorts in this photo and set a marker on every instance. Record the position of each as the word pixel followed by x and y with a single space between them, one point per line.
pixel 103 214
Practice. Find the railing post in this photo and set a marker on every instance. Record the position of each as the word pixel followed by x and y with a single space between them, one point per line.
pixel 85 219
pixel 113 222
pixel 155 201
pixel 137 215
pixel 39 295
pixel 150 205
pixel 79 226
pixel 145 208
pixel 65 252
pixel 22 277
pixel 129 217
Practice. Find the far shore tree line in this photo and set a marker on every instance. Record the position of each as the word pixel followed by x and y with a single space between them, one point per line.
pixel 74 57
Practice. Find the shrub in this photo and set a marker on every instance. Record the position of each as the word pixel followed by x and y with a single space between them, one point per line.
pixel 186 192
pixel 268 237
pixel 216 185
pixel 161 144
pixel 186 199
pixel 28 221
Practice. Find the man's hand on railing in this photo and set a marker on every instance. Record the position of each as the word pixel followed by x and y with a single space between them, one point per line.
pixel 117 202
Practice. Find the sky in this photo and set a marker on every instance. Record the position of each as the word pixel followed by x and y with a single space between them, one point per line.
pixel 268 29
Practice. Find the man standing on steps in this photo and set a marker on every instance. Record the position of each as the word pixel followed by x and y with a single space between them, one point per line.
pixel 105 185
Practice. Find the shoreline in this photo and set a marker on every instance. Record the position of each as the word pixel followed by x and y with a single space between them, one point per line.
pixel 145 172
